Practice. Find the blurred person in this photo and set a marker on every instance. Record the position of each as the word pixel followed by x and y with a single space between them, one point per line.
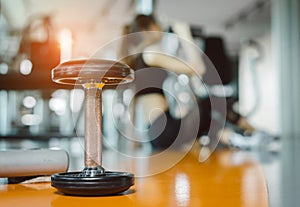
pixel 153 68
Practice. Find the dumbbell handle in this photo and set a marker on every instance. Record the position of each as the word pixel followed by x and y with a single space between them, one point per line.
pixel 17 163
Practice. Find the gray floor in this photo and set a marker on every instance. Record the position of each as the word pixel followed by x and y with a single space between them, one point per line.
pixel 282 172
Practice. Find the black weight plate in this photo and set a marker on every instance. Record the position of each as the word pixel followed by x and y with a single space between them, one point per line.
pixel 76 183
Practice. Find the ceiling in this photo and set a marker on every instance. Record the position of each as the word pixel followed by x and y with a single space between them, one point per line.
pixel 94 22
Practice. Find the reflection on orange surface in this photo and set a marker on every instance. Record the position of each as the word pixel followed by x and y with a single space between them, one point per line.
pixel 226 179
